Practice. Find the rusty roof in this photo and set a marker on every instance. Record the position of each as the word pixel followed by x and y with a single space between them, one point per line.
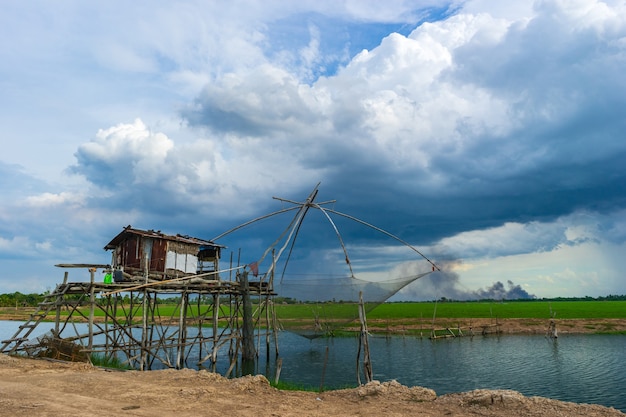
pixel 128 230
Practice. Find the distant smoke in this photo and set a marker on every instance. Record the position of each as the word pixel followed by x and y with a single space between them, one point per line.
pixel 498 292
pixel 446 284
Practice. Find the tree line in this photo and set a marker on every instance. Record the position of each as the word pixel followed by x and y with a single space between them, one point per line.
pixel 17 299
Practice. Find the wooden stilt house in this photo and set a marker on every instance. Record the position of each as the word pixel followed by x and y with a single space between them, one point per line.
pixel 136 253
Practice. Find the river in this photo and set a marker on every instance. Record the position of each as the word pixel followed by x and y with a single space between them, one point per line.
pixel 578 368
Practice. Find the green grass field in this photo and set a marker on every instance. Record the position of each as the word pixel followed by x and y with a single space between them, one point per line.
pixel 416 310
pixel 507 309
pixel 410 313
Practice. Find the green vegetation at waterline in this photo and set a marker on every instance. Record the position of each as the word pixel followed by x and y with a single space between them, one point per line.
pixel 110 362
pixel 290 386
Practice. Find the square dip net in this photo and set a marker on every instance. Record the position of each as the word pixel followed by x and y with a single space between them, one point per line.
pixel 322 285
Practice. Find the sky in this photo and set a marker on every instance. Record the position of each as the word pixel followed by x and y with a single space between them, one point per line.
pixel 491 136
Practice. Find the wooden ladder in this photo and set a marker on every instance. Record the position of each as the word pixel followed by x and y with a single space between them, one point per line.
pixel 49 302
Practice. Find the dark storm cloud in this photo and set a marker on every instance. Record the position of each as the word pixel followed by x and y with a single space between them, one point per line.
pixel 563 153
pixel 492 131
pixel 514 140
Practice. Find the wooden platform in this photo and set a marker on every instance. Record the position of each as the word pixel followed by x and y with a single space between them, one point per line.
pixel 130 325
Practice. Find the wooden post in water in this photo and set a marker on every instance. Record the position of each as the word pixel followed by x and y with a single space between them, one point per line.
pixel 274 318
pixel 279 367
pixel 107 313
pixel 200 321
pixel 324 370
pixel 268 327
pixel 233 312
pixel 182 330
pixel 552 332
pixel 216 309
pixel 92 306
pixel 248 353
pixel 144 327
pixel 367 364
pixel 59 299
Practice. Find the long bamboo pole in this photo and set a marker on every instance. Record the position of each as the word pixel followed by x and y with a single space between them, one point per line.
pixel 92 306
pixel 248 350
pixel 144 321
pixel 216 308
pixel 181 330
pixel 367 363
pixel 59 298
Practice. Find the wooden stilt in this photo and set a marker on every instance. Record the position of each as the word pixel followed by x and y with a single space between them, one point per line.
pixel 181 332
pixel 247 338
pixel 59 303
pixel 367 364
pixel 215 335
pixel 92 306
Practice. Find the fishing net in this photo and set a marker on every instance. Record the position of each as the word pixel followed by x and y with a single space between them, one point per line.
pixel 320 284
pixel 53 347
pixel 326 304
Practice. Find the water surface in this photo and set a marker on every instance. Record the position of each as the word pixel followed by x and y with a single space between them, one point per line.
pixel 577 368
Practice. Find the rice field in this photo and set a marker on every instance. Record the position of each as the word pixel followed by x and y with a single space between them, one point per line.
pixel 400 311
pixel 583 309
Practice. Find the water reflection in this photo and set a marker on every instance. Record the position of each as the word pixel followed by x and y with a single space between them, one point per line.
pixel 582 368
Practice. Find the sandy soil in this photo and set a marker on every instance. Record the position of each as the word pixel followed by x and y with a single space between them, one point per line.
pixel 30 387
pixel 506 326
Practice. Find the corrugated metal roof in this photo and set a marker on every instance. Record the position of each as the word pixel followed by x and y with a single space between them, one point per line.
pixel 128 230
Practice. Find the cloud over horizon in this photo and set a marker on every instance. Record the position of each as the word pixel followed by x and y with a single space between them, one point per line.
pixel 479 133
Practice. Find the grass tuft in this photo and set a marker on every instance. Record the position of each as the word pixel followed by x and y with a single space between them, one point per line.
pixel 108 362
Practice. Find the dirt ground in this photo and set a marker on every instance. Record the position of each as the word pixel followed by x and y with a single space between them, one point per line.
pixel 506 326
pixel 30 387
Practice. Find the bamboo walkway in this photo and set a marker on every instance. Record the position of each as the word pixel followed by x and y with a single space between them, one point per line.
pixel 124 321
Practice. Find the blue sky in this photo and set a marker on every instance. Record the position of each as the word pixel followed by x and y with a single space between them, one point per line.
pixel 490 135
